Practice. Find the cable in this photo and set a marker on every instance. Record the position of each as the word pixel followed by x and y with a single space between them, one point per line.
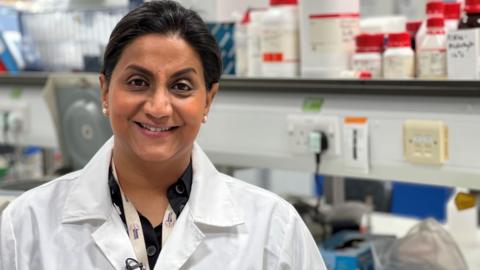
pixel 319 145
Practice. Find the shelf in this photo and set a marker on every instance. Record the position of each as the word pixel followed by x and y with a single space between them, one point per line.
pixel 441 88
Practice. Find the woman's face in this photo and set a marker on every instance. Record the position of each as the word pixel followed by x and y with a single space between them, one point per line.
pixel 156 98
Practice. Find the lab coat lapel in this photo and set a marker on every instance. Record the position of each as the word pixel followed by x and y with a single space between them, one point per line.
pixel 112 239
pixel 89 201
pixel 210 205
pixel 182 243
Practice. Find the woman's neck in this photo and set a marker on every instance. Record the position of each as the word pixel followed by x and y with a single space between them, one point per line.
pixel 146 177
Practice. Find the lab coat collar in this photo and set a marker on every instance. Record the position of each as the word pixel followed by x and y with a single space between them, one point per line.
pixel 210 201
pixel 89 197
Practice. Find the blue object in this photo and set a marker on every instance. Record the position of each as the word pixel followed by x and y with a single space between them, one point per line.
pixel 223 33
pixel 347 250
pixel 319 179
pixel 421 201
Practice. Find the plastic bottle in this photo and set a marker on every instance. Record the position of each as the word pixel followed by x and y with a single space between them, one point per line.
pixel 452 16
pixel 399 58
pixel 241 58
pixel 432 53
pixel 254 54
pixel 433 9
pixel 328 30
pixel 368 56
pixel 280 40
pixel 471 18
pixel 412 29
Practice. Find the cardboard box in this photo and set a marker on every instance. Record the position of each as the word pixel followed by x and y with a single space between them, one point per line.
pixel 463 54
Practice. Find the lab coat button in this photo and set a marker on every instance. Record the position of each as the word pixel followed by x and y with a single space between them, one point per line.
pixel 180 189
pixel 151 250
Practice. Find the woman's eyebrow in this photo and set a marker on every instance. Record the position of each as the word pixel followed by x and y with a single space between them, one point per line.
pixel 183 72
pixel 140 69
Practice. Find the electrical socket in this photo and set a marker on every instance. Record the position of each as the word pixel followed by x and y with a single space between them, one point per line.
pixel 301 125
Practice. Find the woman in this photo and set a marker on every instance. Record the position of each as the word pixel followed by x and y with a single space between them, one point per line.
pixel 150 197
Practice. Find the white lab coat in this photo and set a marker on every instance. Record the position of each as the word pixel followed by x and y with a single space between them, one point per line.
pixel 70 223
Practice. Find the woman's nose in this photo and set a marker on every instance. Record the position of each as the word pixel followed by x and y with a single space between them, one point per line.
pixel 159 104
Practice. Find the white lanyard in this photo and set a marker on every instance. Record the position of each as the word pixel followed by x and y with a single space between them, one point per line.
pixel 134 226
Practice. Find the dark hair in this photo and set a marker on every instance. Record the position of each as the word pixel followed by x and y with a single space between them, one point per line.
pixel 167 18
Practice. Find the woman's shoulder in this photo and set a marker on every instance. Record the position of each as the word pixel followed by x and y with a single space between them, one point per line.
pixel 45 197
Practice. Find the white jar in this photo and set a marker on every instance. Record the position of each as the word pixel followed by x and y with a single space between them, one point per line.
pixel 328 30
pixel 254 49
pixel 368 56
pixel 452 16
pixel 399 58
pixel 240 37
pixel 434 8
pixel 280 39
pixel 432 53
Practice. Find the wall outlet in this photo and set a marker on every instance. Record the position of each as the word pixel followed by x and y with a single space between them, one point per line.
pixel 300 127
pixel 425 142
pixel 356 148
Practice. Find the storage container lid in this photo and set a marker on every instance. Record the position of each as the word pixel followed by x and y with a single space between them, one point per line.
pixel 472 6
pixel 435 8
pixel 283 2
pixel 399 40
pixel 413 26
pixel 435 22
pixel 452 11
pixel 369 42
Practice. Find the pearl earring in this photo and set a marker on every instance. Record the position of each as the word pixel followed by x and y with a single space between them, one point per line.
pixel 104 108
pixel 205 117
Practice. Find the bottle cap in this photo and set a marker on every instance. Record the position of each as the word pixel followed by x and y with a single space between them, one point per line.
pixel 283 2
pixel 246 17
pixel 435 22
pixel 472 6
pixel 369 42
pixel 435 8
pixel 401 39
pixel 413 26
pixel 451 11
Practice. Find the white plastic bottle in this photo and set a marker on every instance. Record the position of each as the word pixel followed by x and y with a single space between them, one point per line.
pixel 452 13
pixel 240 36
pixel 399 58
pixel 280 40
pixel 434 9
pixel 254 49
pixel 368 56
pixel 328 30
pixel 432 53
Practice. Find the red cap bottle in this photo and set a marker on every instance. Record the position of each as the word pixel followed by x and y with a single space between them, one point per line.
pixel 369 43
pixel 283 2
pixel 401 39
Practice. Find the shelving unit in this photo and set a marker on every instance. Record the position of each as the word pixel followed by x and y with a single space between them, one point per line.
pixel 247 125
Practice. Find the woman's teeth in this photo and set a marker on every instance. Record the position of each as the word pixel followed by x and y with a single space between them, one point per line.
pixel 154 129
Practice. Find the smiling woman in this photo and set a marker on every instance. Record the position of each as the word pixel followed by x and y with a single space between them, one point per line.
pixel 150 198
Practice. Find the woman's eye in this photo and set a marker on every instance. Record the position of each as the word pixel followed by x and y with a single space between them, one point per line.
pixel 180 86
pixel 138 83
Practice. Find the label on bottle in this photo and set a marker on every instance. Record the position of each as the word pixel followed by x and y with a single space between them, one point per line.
pixel 399 67
pixel 280 45
pixel 372 65
pixel 333 33
pixel 432 63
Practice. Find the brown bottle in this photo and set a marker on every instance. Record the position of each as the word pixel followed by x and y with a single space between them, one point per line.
pixel 471 18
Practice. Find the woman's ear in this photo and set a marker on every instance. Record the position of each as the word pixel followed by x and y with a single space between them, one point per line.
pixel 104 93
pixel 210 96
